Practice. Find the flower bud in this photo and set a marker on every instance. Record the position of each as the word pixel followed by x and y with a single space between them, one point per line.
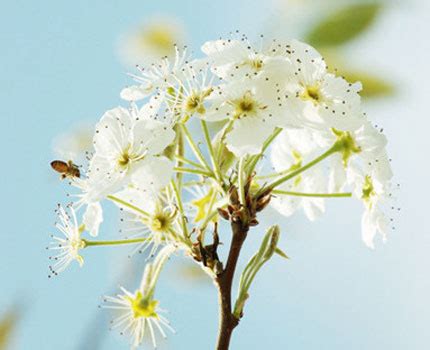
pixel 263 202
pixel 234 195
pixel 274 233
pixel 224 214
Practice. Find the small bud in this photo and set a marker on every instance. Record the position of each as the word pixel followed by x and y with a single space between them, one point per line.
pixel 218 267
pixel 263 202
pixel 274 233
pixel 224 214
pixel 253 222
pixel 234 195
pixel 248 184
pixel 235 218
pixel 264 193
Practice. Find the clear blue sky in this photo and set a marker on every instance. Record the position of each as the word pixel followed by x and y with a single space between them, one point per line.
pixel 58 66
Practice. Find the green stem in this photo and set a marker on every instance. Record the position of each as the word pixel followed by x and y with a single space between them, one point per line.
pixel 192 171
pixel 254 160
pixel 214 162
pixel 271 176
pixel 318 195
pixel 180 154
pixel 189 162
pixel 225 131
pixel 119 242
pixel 276 183
pixel 128 205
pixel 241 175
pixel 181 209
pixel 195 149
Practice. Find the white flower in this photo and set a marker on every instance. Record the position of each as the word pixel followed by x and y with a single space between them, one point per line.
pixel 153 175
pixel 92 218
pixel 153 218
pixel 320 99
pixel 362 148
pixel 125 142
pixel 139 317
pixel 139 312
pixel 251 108
pixel 67 248
pixel 94 188
pixel 373 221
pixel 237 59
pixel 158 76
pixel 374 195
pixel 188 94
pixel 291 150
pixel 371 184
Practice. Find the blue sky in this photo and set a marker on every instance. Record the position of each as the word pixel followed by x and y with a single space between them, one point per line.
pixel 58 66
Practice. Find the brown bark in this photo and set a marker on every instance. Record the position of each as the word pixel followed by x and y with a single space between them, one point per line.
pixel 228 321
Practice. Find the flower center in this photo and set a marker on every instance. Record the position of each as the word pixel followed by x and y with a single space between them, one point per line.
pixel 126 157
pixel 246 105
pixel 256 63
pixel 368 190
pixel 77 244
pixel 160 223
pixel 345 144
pixel 143 307
pixel 312 93
pixel 194 103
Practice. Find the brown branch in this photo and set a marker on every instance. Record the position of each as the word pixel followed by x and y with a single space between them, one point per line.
pixel 224 280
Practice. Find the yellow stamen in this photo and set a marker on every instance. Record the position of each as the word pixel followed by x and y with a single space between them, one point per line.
pixel 143 307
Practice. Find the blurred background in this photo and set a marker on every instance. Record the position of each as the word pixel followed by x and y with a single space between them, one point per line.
pixel 62 64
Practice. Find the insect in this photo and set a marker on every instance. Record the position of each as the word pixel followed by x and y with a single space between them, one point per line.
pixel 66 169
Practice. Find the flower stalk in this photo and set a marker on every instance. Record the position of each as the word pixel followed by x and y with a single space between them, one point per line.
pixel 90 243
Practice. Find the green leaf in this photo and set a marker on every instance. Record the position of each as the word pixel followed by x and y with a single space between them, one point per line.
pixel 373 86
pixel 281 253
pixel 343 25
pixel 7 325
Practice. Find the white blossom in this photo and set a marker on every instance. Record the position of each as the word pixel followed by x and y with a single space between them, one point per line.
pixel 319 99
pixel 152 218
pixel 139 313
pixel 158 76
pixel 250 108
pixel 291 150
pixel 125 143
pixel 67 248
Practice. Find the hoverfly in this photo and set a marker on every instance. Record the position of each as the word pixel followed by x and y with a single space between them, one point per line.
pixel 66 169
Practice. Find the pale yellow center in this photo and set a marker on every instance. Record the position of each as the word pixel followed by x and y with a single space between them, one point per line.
pixel 312 93
pixel 142 307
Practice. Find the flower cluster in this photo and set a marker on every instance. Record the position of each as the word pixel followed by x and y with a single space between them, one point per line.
pixel 175 179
